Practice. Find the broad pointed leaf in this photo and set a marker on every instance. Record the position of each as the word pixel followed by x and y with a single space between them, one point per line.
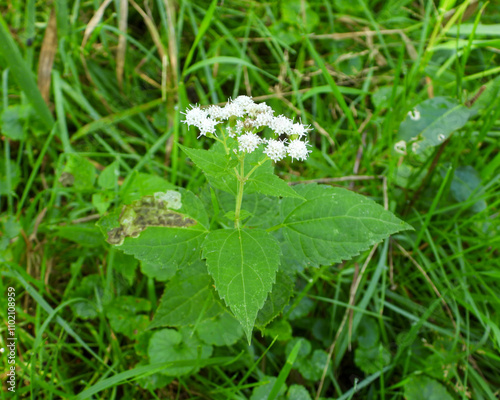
pixel 243 263
pixel 432 122
pixel 277 299
pixel 334 224
pixel 270 184
pixel 165 229
pixel 188 298
pixel 209 161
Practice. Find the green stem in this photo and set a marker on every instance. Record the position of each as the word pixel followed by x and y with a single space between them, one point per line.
pixel 256 166
pixel 239 196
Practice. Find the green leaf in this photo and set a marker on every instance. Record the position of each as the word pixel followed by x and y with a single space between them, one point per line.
pixel 160 271
pixel 312 368
pixel 102 201
pixel 124 317
pixel 14 176
pixel 188 298
pixel 222 330
pixel 209 161
pixel 381 98
pixel 90 288
pixel 280 329
pixel 164 229
pixel 423 388
pixel 79 173
pixel 262 209
pixel 334 224
pixel 109 176
pixel 243 263
pixel 277 299
pixel 84 234
pixel 298 392
pixel 12 122
pixel 367 333
pixel 171 345
pixel 467 182
pixel 305 347
pixel 153 381
pixel 263 391
pixel 124 264
pixel 432 122
pixel 269 184
pixel 137 185
pixel 372 359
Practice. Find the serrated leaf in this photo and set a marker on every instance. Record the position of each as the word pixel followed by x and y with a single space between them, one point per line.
pixel 209 161
pixel 263 210
pixel 422 387
pixel 432 122
pixel 124 264
pixel 160 271
pixel 243 263
pixel 277 299
pixel 334 224
pixel 154 233
pixel 269 184
pixel 83 234
pixel 188 298
pixel 138 184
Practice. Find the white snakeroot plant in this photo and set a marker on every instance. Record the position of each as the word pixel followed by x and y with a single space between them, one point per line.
pixel 252 231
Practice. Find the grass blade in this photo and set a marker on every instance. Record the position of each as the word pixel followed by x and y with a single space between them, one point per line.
pixel 23 75
pixel 333 85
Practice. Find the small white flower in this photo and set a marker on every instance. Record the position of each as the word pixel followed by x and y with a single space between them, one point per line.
pixel 299 129
pixel 207 126
pixel 231 109
pixel 239 127
pixel 248 142
pixel 195 116
pixel 400 147
pixel 275 150
pixel 414 114
pixel 298 149
pixel 281 125
pixel 215 112
pixel 244 102
pixel 263 119
pixel 261 108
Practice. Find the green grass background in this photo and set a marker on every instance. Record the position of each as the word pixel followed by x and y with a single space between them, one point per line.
pixel 350 69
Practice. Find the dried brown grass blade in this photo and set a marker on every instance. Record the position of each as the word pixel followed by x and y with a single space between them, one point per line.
pixel 155 35
pixel 94 21
pixel 47 55
pixel 122 42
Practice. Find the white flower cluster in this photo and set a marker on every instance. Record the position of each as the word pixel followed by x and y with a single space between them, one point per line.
pixel 243 119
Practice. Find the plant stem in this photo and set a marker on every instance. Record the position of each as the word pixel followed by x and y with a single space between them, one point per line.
pixel 239 196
